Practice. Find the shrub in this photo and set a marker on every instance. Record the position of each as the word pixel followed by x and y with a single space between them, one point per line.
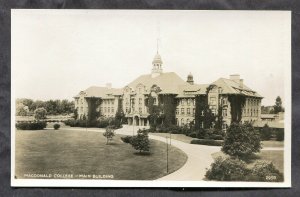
pixel 265 171
pixel 56 126
pixel 217 137
pixel 109 134
pixel 208 142
pixel 265 132
pixel 193 135
pixel 126 139
pixel 141 142
pixel 241 141
pixel 40 113
pixel 279 134
pixel 227 170
pixel 31 125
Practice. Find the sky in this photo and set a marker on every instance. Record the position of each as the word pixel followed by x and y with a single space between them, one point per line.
pixel 58 53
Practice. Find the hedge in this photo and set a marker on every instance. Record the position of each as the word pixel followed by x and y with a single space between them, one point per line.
pixel 127 139
pixel 208 142
pixel 31 125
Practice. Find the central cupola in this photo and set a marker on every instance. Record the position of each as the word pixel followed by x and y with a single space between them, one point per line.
pixel 156 66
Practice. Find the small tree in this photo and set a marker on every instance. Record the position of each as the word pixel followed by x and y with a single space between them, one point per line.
pixel 141 142
pixel 109 134
pixel 241 141
pixel 40 113
pixel 266 132
pixel 278 105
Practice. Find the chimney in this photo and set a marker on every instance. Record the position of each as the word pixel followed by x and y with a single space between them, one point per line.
pixel 241 83
pixel 108 85
pixel 236 78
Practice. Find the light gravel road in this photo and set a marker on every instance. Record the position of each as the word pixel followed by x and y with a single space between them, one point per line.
pixel 199 156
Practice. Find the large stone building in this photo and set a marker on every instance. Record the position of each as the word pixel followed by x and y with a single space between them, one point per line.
pixel 133 98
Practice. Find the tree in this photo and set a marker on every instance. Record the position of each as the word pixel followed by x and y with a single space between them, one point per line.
pixel 141 142
pixel 109 134
pixel 241 140
pixel 20 111
pixel 266 132
pixel 40 113
pixel 278 105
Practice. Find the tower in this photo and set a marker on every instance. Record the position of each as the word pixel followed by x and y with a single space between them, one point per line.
pixel 190 79
pixel 156 66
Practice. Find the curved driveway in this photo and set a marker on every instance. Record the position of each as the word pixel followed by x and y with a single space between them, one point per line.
pixel 199 156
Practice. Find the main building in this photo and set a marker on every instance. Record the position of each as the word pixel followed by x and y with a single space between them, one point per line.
pixel 133 98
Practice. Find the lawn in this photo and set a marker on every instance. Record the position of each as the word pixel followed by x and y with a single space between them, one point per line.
pixel 86 153
pixel 275 156
pixel 277 144
pixel 179 137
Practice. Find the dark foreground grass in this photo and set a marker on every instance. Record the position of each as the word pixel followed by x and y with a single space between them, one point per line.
pixel 85 153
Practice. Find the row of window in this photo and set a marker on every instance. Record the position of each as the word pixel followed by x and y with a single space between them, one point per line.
pixel 107 102
pixel 188 111
pixel 107 110
pixel 252 102
pixel 186 101
pixel 250 112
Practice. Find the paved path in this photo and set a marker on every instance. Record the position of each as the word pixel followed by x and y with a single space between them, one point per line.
pixel 199 156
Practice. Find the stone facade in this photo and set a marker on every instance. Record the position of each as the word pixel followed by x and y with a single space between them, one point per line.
pixel 134 97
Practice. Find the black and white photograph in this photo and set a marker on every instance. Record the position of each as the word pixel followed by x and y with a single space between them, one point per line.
pixel 150 98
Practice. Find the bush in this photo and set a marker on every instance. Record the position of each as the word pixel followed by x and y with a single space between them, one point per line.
pixel 208 142
pixel 279 134
pixel 40 113
pixel 265 171
pixel 109 134
pixel 217 137
pixel 227 170
pixel 141 142
pixel 193 135
pixel 241 141
pixel 126 139
pixel 31 125
pixel 265 132
pixel 235 170
pixel 56 126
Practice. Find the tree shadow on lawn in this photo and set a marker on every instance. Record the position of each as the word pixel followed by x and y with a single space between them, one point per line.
pixel 143 153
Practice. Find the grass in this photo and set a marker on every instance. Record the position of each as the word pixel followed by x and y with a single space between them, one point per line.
pixel 179 137
pixel 81 152
pixel 277 144
pixel 274 156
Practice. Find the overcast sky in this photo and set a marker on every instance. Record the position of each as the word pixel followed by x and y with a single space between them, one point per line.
pixel 57 53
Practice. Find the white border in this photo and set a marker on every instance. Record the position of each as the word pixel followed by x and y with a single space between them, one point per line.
pixel 160 183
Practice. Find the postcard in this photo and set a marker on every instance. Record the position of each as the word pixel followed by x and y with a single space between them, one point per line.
pixel 150 98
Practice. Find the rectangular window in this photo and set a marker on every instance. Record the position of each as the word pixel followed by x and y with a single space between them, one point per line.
pixel 112 102
pixel 188 111
pixel 182 110
pixel 177 111
pixel 112 110
pixel 140 101
pixel 140 110
pixel 108 109
pixel 188 101
pixel 154 101
pixel 104 109
pixel 194 110
pixel 212 100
